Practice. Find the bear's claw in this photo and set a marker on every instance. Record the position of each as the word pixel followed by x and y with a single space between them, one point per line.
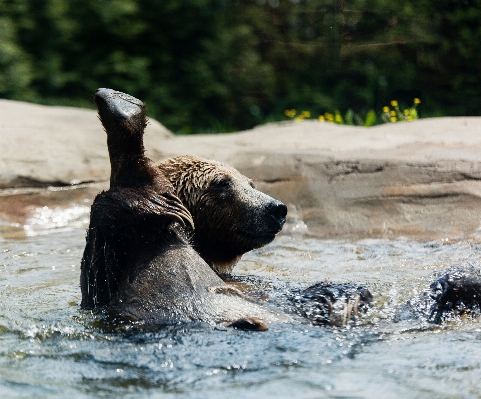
pixel 332 304
pixel 249 324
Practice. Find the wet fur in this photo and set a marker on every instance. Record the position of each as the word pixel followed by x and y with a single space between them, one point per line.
pixel 138 257
pixel 231 217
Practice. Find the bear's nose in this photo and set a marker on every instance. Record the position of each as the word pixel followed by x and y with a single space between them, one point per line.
pixel 278 211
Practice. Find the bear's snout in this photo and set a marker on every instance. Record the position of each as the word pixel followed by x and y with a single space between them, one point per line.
pixel 278 211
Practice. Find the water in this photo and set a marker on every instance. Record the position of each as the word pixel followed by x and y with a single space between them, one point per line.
pixel 50 348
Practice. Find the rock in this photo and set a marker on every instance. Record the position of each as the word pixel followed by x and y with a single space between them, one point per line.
pixel 419 178
pixel 43 145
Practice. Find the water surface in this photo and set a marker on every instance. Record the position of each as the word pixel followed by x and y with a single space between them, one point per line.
pixel 49 348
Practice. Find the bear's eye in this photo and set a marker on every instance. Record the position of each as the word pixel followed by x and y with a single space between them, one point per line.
pixel 223 182
pixel 251 183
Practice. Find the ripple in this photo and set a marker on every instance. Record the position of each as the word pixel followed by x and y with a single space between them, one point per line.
pixel 49 348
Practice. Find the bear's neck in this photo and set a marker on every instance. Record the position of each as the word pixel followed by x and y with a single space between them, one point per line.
pixel 221 260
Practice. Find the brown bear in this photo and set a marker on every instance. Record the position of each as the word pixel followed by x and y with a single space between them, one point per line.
pixel 138 259
pixel 230 216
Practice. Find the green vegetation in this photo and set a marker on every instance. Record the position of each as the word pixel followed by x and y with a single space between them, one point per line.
pixel 216 65
pixel 350 118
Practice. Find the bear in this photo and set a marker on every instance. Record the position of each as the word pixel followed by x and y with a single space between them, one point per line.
pixel 138 259
pixel 231 216
pixel 455 294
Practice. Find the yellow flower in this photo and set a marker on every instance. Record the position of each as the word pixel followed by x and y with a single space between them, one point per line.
pixel 417 101
pixel 393 113
pixel 338 118
pixel 394 103
pixel 299 118
pixel 406 112
pixel 321 118
pixel 393 119
pixel 306 114
pixel 385 109
pixel 410 118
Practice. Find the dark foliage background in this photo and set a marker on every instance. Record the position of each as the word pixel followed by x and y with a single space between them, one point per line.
pixel 213 65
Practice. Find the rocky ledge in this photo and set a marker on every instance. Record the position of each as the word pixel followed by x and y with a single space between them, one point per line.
pixel 421 179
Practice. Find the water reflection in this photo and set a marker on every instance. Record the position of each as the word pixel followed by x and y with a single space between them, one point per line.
pixel 44 219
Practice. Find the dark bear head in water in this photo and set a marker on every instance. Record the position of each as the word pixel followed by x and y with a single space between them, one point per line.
pixel 231 217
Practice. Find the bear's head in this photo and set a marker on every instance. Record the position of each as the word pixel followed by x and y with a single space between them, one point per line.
pixel 230 216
